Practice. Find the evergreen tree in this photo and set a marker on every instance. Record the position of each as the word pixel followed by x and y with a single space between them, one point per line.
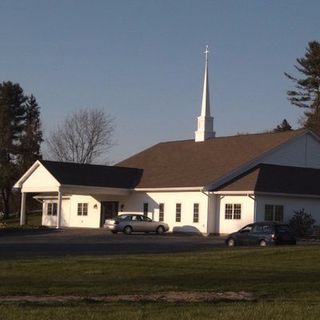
pixel 32 135
pixel 20 137
pixel 284 126
pixel 12 113
pixel 307 89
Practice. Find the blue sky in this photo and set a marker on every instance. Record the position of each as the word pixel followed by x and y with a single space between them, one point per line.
pixel 142 62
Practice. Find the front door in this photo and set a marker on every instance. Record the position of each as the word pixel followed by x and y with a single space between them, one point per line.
pixel 109 210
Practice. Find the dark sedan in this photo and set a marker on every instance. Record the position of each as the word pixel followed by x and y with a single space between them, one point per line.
pixel 261 233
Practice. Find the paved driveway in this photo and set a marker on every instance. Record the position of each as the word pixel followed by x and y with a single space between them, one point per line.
pixel 29 243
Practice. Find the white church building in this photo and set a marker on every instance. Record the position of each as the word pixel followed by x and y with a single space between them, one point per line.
pixel 207 185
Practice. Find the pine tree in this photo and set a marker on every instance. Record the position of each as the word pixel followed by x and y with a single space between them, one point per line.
pixel 20 137
pixel 12 116
pixel 32 135
pixel 284 126
pixel 307 89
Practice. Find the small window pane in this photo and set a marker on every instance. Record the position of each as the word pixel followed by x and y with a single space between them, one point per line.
pixel 49 209
pixel 161 212
pixel 145 208
pixel 85 209
pixel 79 209
pixel 228 211
pixel 278 213
pixel 237 211
pixel 268 212
pixel 178 212
pixel 196 212
pixel 54 209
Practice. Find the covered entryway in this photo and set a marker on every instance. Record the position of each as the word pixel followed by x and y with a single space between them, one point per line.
pixel 77 195
pixel 109 210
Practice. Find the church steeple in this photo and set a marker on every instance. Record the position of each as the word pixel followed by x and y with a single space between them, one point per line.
pixel 205 121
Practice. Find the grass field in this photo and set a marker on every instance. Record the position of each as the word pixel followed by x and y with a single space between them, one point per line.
pixel 33 220
pixel 285 282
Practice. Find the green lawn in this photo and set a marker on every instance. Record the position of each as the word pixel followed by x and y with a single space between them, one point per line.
pixel 284 280
pixel 33 220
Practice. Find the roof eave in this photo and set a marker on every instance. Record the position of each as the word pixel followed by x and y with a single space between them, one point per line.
pixel 252 163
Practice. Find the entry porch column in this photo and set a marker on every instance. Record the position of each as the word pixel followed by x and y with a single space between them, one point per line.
pixel 59 209
pixel 23 208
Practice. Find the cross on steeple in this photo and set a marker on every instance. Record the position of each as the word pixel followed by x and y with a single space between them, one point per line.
pixel 206 52
pixel 205 121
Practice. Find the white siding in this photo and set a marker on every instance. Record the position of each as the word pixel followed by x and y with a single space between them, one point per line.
pixel 301 152
pixel 51 221
pixel 92 220
pixel 247 212
pixel 290 204
pixel 134 203
pixel 69 214
pixel 40 180
pixel 213 216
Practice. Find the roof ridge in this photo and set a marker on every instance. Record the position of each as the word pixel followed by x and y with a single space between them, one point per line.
pixel 83 164
pixel 237 135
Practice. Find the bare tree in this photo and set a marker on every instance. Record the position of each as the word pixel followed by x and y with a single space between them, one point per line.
pixel 84 137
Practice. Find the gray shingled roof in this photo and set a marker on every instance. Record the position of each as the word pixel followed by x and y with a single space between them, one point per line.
pixel 93 175
pixel 195 164
pixel 277 179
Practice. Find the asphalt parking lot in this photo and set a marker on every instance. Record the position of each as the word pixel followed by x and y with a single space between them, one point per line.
pixel 52 242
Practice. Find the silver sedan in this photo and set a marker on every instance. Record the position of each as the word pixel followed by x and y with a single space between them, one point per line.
pixel 128 223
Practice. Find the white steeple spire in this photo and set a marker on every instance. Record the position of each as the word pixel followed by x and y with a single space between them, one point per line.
pixel 205 121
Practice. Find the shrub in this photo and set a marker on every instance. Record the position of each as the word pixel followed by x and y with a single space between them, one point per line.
pixel 301 223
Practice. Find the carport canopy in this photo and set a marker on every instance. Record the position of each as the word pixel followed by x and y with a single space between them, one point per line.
pixel 64 178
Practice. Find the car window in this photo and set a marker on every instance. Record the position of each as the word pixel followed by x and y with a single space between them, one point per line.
pixel 135 218
pixel 267 229
pixel 123 217
pixel 262 228
pixel 282 228
pixel 247 228
pixel 257 228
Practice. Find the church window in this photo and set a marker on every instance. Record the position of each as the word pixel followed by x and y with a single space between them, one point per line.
pixel 196 212
pixel 82 209
pixel 232 211
pixel 52 209
pixel 145 208
pixel 161 212
pixel 273 213
pixel 178 212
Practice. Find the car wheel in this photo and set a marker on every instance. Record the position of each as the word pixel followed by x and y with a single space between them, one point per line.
pixel 160 230
pixel 263 243
pixel 231 242
pixel 127 230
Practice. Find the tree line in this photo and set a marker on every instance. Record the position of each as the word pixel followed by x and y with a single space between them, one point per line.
pixel 20 137
pixel 85 136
